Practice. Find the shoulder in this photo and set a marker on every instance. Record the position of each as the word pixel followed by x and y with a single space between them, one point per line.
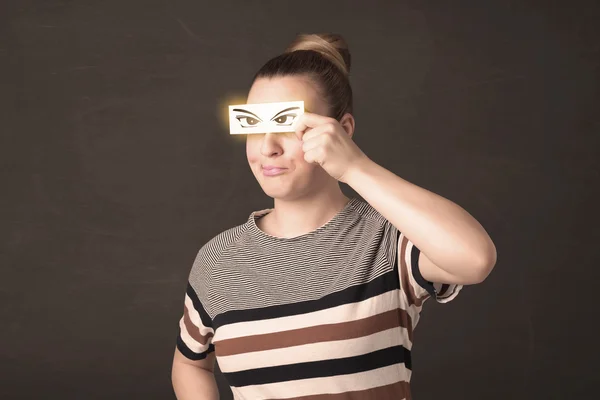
pixel 368 213
pixel 210 253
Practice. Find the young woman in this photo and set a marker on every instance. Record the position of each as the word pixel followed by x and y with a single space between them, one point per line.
pixel 320 294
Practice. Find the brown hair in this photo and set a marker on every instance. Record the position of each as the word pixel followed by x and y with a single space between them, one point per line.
pixel 325 59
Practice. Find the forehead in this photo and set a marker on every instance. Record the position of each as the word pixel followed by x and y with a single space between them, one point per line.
pixel 282 89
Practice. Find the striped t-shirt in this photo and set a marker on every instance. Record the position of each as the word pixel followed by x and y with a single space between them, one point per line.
pixel 325 315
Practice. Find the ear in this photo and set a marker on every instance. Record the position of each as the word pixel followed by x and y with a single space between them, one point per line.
pixel 348 123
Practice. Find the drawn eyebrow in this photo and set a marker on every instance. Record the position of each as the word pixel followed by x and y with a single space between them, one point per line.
pixel 282 111
pixel 248 112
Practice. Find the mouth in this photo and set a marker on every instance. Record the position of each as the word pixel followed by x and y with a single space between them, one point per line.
pixel 271 168
pixel 271 171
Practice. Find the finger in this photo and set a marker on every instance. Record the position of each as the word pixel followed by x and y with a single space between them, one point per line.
pixel 312 142
pixel 309 120
pixel 311 133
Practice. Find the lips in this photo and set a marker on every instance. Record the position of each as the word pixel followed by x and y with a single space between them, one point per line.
pixel 270 170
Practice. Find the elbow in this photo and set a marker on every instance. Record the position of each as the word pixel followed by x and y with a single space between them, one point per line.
pixel 484 267
pixel 480 275
pixel 477 271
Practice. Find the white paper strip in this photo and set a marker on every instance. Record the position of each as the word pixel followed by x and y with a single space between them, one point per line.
pixel 264 117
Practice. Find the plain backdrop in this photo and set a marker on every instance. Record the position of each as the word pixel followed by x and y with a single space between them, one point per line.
pixel 117 166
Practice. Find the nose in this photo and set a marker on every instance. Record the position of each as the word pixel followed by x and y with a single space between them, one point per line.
pixel 270 144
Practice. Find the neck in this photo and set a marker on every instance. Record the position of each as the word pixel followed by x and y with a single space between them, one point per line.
pixel 305 214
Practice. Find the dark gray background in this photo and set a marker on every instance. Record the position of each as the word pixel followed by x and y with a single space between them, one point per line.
pixel 117 168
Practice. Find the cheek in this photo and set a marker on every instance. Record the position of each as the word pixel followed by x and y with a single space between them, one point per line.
pixel 298 156
pixel 252 152
pixel 308 170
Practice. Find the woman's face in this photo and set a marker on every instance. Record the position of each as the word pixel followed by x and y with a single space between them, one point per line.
pixel 285 149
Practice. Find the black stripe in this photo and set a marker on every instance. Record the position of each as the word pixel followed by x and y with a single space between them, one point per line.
pixel 186 351
pixel 414 260
pixel 204 317
pixel 326 368
pixel 377 286
pixel 444 289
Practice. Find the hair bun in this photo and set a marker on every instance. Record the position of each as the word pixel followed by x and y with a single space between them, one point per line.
pixel 330 45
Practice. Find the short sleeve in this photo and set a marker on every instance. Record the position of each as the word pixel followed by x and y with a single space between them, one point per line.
pixel 195 328
pixel 417 288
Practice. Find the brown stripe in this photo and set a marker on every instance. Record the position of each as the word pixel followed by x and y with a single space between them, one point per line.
pixel 395 391
pixel 406 322
pixel 315 334
pixel 404 278
pixel 193 330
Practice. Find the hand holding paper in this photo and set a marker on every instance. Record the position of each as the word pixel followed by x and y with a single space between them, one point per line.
pixel 327 143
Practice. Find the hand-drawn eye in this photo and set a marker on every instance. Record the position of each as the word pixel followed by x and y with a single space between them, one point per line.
pixel 246 121
pixel 285 120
